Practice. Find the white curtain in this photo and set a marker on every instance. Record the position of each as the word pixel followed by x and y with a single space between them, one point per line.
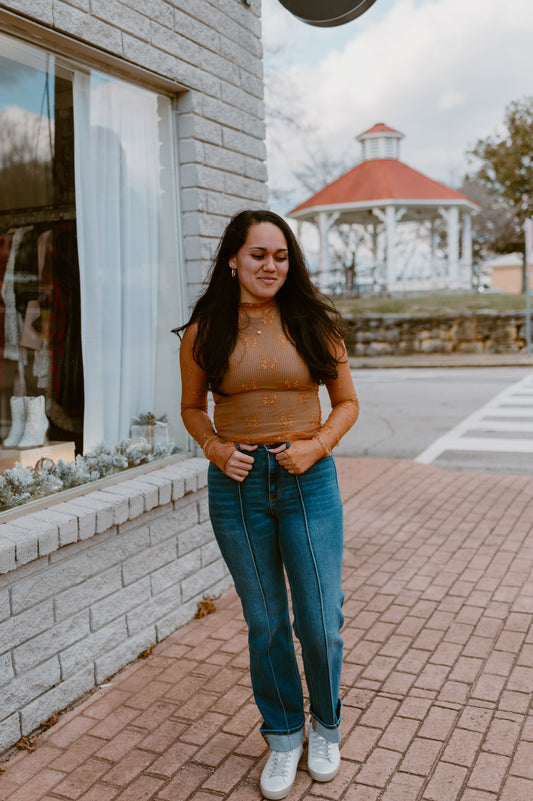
pixel 117 196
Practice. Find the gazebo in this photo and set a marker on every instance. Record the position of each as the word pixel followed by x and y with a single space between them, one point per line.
pixel 382 192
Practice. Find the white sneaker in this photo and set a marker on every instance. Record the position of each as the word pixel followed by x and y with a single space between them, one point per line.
pixel 323 757
pixel 279 773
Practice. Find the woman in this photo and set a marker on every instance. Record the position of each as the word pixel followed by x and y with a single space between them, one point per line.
pixel 262 339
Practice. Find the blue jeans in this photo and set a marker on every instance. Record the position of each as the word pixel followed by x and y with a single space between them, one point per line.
pixel 271 521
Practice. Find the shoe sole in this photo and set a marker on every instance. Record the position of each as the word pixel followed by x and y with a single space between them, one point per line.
pixel 276 796
pixel 323 777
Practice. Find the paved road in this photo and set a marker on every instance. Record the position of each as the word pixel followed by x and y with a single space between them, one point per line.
pixel 404 411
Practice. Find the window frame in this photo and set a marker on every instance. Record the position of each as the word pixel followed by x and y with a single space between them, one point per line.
pixel 71 55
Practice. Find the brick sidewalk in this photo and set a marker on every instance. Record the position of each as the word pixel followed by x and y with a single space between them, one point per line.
pixel 438 672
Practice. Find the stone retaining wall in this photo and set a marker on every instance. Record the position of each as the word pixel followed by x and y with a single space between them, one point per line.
pixel 402 334
pixel 88 584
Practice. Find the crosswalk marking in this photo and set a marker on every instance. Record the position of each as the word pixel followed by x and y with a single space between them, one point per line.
pixel 511 411
pixel 522 411
pixel 506 425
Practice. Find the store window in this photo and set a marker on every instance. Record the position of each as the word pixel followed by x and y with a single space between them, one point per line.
pixel 89 257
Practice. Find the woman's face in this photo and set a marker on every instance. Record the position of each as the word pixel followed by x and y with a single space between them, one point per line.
pixel 262 263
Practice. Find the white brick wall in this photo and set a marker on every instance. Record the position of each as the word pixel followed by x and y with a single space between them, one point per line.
pixel 76 606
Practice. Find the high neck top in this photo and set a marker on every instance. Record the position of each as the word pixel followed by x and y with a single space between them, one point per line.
pixel 257 306
pixel 267 395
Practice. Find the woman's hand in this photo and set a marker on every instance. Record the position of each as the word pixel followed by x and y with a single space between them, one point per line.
pixel 300 455
pixel 239 464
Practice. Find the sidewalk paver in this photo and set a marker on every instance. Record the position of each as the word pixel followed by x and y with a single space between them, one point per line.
pixel 438 672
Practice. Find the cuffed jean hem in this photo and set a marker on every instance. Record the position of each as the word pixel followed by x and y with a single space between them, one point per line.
pixel 331 733
pixel 285 742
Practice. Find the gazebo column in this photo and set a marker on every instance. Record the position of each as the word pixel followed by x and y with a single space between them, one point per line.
pixel 466 249
pixel 390 240
pixel 451 215
pixel 325 221
pixel 390 217
pixel 323 256
pixel 434 241
pixel 375 246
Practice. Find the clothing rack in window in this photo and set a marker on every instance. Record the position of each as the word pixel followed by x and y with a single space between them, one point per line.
pixel 15 218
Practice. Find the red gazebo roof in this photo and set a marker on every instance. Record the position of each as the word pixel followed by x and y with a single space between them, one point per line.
pixel 381 180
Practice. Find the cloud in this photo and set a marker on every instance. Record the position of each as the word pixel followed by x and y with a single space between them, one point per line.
pixel 441 71
pixel 27 134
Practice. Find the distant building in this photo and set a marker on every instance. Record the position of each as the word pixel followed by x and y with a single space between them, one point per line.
pixel 505 273
pixel 381 193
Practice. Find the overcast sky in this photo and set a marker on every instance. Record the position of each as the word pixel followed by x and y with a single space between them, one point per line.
pixel 440 71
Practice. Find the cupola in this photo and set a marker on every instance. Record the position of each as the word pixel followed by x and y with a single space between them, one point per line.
pixel 380 142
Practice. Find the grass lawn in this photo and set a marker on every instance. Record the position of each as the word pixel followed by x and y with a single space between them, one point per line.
pixel 431 304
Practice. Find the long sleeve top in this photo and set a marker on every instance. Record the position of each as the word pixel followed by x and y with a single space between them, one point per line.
pixel 267 395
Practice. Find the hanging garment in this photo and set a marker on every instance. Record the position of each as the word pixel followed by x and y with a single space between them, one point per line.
pixel 31 330
pixel 45 259
pixel 66 389
pixel 26 271
pixel 11 327
pixel 5 250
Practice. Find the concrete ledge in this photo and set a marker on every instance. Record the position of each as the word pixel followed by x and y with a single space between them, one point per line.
pixel 40 533
pixel 88 584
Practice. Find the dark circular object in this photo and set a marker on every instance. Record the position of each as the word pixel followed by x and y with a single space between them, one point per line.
pixel 44 464
pixel 327 13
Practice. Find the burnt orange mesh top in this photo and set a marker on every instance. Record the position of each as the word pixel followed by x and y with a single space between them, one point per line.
pixel 269 395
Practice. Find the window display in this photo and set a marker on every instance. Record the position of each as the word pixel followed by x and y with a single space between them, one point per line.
pixel 89 285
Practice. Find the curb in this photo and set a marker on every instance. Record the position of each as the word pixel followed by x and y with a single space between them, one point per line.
pixel 441 360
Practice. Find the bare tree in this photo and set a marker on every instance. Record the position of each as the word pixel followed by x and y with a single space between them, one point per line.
pixel 25 169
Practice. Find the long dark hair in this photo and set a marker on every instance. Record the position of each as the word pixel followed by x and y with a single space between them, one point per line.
pixel 309 319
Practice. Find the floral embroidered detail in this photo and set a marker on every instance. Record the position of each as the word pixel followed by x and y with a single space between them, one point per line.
pixel 271 400
pixel 290 383
pixel 269 317
pixel 270 364
pixel 248 342
pixel 250 386
pixel 287 421
pixel 252 423
pixel 282 340
pixel 304 397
